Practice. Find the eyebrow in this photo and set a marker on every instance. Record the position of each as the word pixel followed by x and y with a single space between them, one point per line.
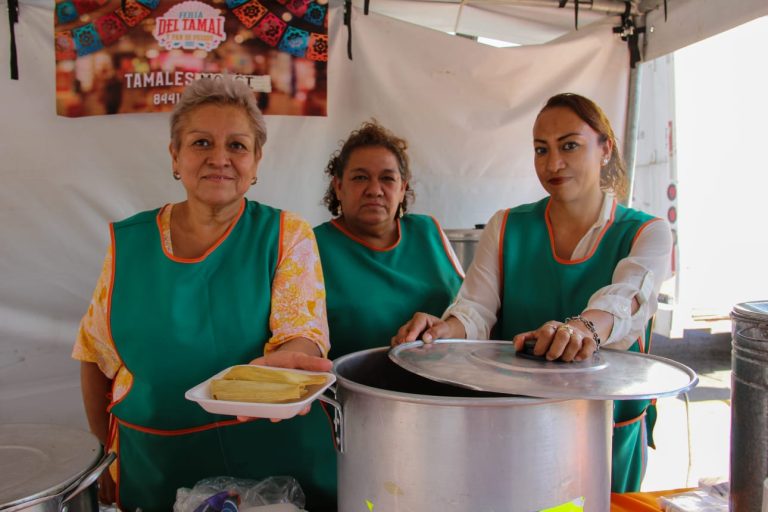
pixel 236 134
pixel 570 134
pixel 363 169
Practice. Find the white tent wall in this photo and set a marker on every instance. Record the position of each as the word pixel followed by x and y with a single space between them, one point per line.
pixel 655 168
pixel 655 158
pixel 466 109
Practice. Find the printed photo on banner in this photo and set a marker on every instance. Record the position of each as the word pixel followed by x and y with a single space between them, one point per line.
pixel 130 56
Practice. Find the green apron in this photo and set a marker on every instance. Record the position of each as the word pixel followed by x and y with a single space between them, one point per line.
pixel 371 293
pixel 633 422
pixel 537 287
pixel 177 322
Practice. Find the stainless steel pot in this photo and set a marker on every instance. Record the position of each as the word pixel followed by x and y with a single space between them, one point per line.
pixel 464 243
pixel 49 468
pixel 411 444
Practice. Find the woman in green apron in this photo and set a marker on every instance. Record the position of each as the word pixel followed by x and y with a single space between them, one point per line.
pixel 574 271
pixel 380 263
pixel 192 288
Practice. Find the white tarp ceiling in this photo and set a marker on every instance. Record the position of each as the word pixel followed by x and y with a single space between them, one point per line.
pixel 539 21
pixel 689 21
pixel 523 22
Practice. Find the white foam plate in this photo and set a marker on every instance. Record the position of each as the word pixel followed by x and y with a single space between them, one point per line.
pixel 202 395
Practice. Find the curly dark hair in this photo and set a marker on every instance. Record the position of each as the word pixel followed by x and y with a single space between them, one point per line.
pixel 613 175
pixel 370 134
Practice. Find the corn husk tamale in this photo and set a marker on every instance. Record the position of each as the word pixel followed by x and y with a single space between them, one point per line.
pixel 253 391
pixel 259 374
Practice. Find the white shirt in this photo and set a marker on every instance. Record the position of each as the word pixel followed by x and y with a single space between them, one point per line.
pixel 638 275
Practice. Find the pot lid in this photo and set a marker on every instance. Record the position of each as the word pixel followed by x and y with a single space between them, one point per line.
pixel 38 460
pixel 493 366
pixel 752 310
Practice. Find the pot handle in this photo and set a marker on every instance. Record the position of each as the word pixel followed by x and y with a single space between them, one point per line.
pixel 91 477
pixel 338 417
pixel 71 490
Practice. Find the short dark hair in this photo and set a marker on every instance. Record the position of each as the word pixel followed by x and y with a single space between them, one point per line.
pixel 222 91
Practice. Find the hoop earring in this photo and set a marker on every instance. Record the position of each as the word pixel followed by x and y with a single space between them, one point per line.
pixel 400 211
pixel 176 176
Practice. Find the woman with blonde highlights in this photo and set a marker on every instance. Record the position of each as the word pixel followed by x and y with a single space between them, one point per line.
pixel 569 273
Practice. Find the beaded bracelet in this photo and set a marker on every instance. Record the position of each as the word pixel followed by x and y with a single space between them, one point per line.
pixel 589 325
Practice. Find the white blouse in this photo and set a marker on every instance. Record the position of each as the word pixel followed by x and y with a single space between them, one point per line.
pixel 639 275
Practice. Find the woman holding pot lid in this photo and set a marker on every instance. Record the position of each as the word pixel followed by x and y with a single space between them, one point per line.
pixel 380 263
pixel 192 288
pixel 572 272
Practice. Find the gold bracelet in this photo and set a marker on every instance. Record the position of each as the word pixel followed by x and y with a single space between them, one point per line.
pixel 589 325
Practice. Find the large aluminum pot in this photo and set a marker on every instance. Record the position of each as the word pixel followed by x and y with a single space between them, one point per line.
pixel 413 445
pixel 49 468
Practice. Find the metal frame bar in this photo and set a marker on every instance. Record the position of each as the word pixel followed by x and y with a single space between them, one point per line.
pixel 631 128
pixel 606 6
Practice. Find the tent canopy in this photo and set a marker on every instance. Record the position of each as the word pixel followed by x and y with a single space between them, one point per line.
pixel 681 23
pixel 669 25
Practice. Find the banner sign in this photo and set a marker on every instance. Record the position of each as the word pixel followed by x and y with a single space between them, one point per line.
pixel 125 56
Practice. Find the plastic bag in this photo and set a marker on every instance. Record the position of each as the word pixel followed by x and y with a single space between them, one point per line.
pixel 249 493
pixel 708 498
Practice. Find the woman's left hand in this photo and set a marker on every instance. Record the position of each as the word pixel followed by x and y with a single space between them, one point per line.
pixel 556 340
pixel 295 361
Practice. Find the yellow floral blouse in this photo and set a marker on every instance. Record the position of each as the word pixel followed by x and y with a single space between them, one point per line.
pixel 297 308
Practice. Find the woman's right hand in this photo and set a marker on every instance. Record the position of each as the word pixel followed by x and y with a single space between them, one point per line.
pixel 429 328
pixel 558 341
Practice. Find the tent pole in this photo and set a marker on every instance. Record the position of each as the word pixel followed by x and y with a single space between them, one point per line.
pixel 630 133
